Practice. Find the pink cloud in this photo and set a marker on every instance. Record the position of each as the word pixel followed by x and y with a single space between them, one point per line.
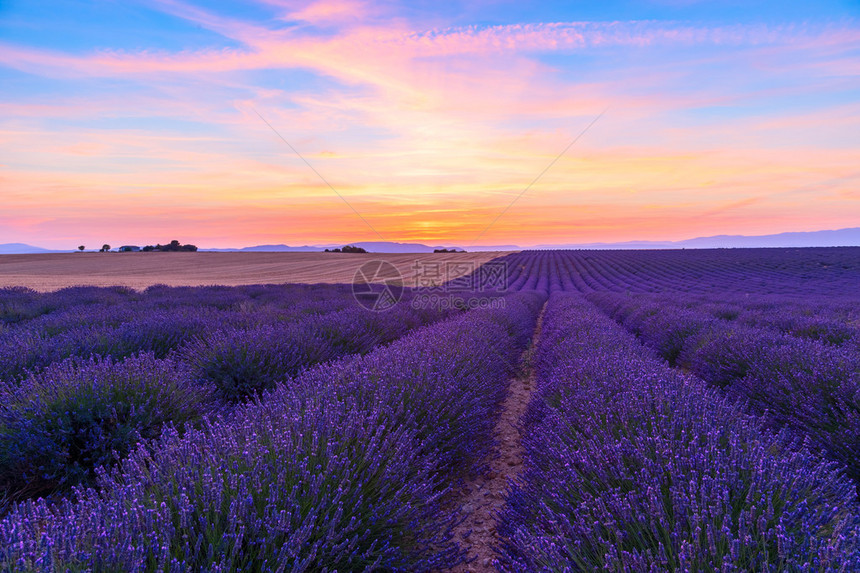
pixel 468 117
pixel 392 40
pixel 332 12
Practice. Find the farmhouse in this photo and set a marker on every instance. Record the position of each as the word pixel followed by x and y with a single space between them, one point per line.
pixel 129 249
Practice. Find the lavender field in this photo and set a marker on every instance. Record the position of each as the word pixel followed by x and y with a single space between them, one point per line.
pixel 682 411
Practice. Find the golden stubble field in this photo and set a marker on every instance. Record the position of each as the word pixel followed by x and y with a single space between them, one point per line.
pixel 47 272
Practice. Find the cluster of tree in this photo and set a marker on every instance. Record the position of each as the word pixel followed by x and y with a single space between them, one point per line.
pixel 452 250
pixel 347 249
pixel 172 246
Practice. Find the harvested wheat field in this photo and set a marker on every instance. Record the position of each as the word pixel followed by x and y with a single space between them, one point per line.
pixel 47 272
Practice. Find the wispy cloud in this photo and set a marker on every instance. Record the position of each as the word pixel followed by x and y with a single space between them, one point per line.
pixel 430 131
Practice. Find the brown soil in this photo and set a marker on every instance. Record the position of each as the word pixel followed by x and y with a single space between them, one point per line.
pixel 47 272
pixel 483 497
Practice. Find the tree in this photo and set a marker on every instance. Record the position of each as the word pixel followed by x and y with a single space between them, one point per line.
pixel 105 248
pixel 171 247
pixel 81 248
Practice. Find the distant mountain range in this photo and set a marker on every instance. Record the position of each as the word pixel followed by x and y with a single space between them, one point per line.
pixel 268 249
pixel 836 238
pixel 23 249
pixel 369 246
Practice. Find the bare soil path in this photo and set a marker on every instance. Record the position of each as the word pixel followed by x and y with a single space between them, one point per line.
pixel 483 497
pixel 47 272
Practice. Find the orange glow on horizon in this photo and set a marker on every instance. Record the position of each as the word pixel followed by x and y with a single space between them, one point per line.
pixel 431 133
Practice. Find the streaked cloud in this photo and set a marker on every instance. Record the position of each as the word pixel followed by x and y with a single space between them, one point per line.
pixel 429 132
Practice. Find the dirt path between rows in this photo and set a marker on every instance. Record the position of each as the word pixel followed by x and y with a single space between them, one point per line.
pixel 484 496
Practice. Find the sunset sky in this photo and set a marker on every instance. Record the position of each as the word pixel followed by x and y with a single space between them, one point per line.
pixel 130 122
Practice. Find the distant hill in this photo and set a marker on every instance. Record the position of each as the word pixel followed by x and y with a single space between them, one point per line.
pixel 280 249
pixel 369 246
pixel 23 249
pixel 484 248
pixel 837 238
pixel 267 249
pixel 610 246
pixel 390 247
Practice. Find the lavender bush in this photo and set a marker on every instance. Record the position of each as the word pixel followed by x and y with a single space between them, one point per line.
pixel 19 304
pixel 242 362
pixel 59 426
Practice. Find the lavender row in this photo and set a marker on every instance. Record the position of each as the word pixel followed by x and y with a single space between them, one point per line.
pixel 345 468
pixel 19 305
pixel 797 272
pixel 633 466
pixel 119 322
pixel 805 385
pixel 60 425
pixel 241 362
pixel 831 320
